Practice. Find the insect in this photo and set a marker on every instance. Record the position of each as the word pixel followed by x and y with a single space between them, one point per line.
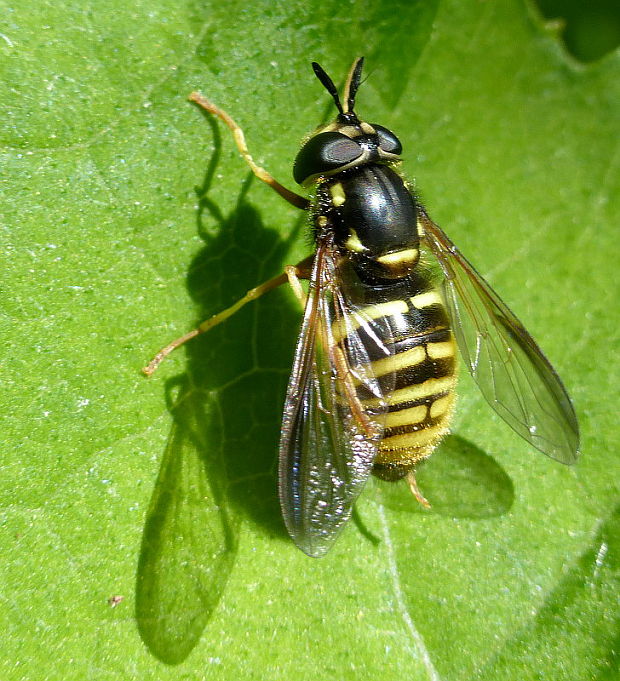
pixel 373 378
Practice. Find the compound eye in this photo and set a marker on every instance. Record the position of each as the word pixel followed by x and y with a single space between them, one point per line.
pixel 324 152
pixel 388 141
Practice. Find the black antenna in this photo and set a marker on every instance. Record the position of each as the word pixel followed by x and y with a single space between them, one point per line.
pixel 328 84
pixel 356 77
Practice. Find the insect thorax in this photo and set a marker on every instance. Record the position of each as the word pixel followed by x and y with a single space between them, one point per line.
pixel 373 219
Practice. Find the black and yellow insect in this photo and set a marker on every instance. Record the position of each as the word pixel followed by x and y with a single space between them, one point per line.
pixel 373 378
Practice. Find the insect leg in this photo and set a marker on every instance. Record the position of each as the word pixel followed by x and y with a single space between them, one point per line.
pixel 415 490
pixel 295 199
pixel 292 274
pixel 346 380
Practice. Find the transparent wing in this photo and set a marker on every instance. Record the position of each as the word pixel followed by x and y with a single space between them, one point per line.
pixel 511 371
pixel 329 438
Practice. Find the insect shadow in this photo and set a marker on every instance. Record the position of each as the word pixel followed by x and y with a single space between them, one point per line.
pixel 459 480
pixel 219 464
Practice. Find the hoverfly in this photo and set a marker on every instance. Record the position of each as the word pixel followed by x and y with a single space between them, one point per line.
pixel 374 373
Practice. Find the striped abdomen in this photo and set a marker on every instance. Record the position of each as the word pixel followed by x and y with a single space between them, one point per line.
pixel 418 377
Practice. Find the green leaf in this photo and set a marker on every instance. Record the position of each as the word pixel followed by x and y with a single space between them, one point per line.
pixel 127 217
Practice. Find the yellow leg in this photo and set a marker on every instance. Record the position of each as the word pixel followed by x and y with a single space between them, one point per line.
pixel 295 199
pixel 415 490
pixel 292 274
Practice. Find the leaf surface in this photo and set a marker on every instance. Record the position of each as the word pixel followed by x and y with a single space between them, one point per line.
pixel 126 217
